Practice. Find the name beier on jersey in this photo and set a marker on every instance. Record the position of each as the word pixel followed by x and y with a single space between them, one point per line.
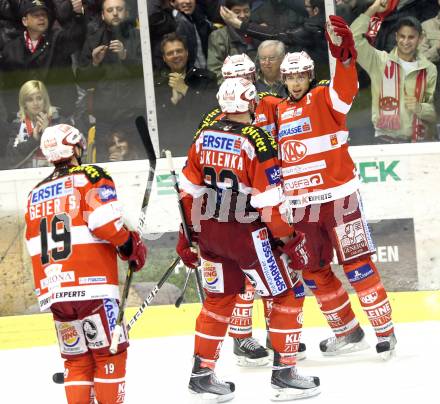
pixel 46 199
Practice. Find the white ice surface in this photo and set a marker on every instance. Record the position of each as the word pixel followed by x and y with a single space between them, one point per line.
pixel 159 368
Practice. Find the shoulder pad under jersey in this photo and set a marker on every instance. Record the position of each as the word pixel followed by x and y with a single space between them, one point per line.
pixel 263 94
pixel 207 120
pixel 324 83
pixel 92 172
pixel 265 145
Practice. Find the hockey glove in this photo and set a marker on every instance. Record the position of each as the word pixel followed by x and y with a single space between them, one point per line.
pixel 188 254
pixel 134 251
pixel 346 48
pixel 296 249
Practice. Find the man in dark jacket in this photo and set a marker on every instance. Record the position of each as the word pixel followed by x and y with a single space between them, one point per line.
pixel 195 28
pixel 183 93
pixel 309 36
pixel 42 53
pixel 111 64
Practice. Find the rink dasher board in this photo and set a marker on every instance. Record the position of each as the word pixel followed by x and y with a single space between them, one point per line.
pixel 166 320
pixel 399 182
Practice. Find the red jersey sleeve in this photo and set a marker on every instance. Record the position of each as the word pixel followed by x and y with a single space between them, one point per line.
pixel 102 210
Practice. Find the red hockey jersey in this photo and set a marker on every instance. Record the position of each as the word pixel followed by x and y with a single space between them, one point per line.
pixel 312 136
pixel 240 159
pixel 73 223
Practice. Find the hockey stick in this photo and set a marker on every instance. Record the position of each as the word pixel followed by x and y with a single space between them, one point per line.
pixel 141 126
pixel 185 285
pixel 59 377
pixel 184 225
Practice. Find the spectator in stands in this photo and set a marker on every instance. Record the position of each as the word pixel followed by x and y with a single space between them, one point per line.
pixel 43 53
pixel 350 9
pixel 35 114
pixel 420 9
pixel 309 36
pixel 279 13
pixel 270 56
pixel 430 47
pixel 161 21
pixel 229 41
pixel 183 94
pixel 120 148
pixel 402 81
pixel 193 25
pixel 111 64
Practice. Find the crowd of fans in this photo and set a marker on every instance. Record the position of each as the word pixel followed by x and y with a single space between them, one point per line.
pixel 80 62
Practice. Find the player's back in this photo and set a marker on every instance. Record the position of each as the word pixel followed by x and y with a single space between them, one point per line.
pixel 69 216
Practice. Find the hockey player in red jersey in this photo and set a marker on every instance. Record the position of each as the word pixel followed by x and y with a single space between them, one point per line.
pixel 321 184
pixel 74 232
pixel 247 349
pixel 233 199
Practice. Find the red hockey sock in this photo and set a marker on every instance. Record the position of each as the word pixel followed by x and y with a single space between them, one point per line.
pixel 333 300
pixel 78 379
pixel 211 326
pixel 286 320
pixel 240 325
pixel 110 377
pixel 365 279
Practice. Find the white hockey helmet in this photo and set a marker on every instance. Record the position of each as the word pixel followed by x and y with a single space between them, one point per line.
pixel 297 62
pixel 237 95
pixel 239 66
pixel 58 142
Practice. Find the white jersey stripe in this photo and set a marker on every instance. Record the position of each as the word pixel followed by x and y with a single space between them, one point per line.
pixel 79 235
pixel 284 331
pixel 324 195
pixel 105 214
pixel 78 383
pixel 338 104
pixel 99 380
pixel 271 197
pixel 206 336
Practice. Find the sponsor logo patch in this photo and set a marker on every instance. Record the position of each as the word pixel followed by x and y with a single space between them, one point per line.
pixel 360 273
pixel 52 190
pixel 224 142
pixel 111 312
pixel 106 193
pixel 260 118
pixel 54 277
pixel 304 168
pixel 92 279
pixel 297 127
pixel 273 175
pixel 308 181
pixel 352 239
pixel 90 329
pixel 269 266
pixel 212 276
pixel 69 335
pixel 293 151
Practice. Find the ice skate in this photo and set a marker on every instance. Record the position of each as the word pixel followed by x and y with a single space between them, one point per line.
pixel 352 342
pixel 205 386
pixel 385 346
pixel 300 355
pixel 250 353
pixel 288 385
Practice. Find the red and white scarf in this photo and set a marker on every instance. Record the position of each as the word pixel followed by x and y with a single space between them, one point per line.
pixel 389 100
pixel 30 44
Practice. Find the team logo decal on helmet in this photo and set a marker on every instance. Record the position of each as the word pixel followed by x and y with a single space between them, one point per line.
pixel 239 66
pixel 297 62
pixel 237 95
pixel 58 142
